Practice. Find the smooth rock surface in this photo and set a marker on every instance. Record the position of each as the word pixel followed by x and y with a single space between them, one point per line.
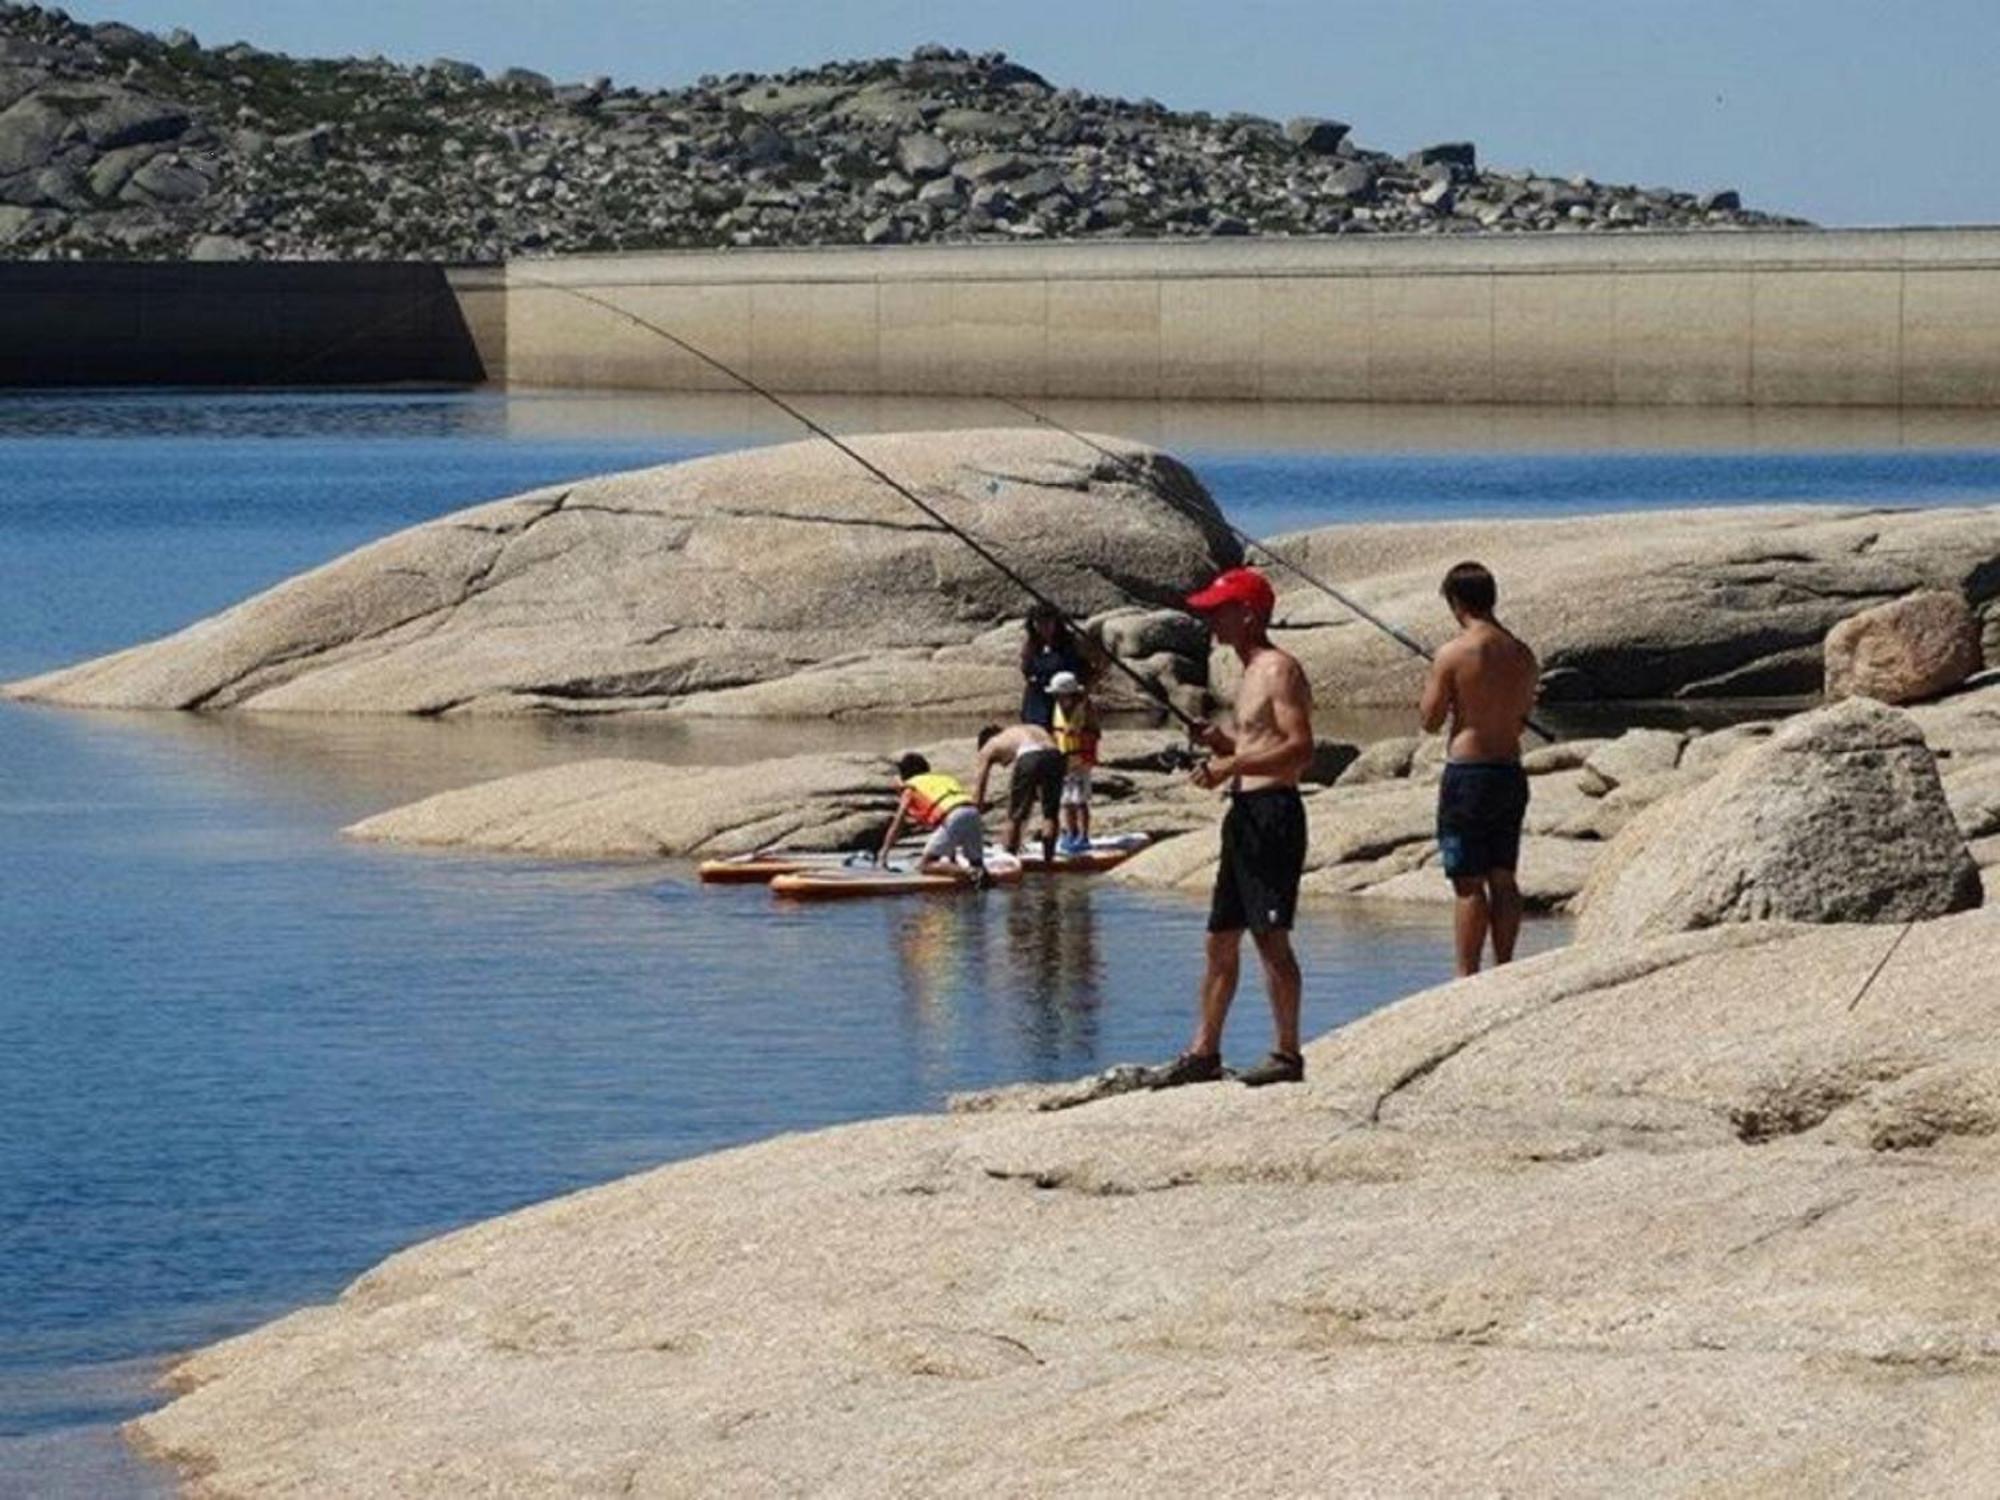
pixel 779 580
pixel 1688 604
pixel 629 809
pixel 1904 651
pixel 1671 1220
pixel 1839 817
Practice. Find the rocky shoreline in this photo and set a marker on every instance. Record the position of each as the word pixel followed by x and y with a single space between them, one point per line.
pixel 116 143
pixel 1705 1202
pixel 784 582
pixel 1665 1219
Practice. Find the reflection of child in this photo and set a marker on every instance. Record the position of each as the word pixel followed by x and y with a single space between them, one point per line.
pixel 937 802
pixel 1076 734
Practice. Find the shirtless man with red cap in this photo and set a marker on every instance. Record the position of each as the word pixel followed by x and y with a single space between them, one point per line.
pixel 1263 835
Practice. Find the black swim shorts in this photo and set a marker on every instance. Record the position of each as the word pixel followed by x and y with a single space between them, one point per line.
pixel 1263 855
pixel 1037 778
pixel 1480 807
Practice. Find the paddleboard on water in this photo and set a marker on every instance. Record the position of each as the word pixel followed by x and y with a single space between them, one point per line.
pixel 884 880
pixel 764 865
pixel 1102 854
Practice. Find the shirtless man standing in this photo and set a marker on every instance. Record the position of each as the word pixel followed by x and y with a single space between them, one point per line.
pixel 1037 780
pixel 1263 836
pixel 1483 681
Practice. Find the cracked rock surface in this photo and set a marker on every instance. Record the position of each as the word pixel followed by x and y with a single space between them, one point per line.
pixel 783 580
pixel 1676 1218
pixel 1717 603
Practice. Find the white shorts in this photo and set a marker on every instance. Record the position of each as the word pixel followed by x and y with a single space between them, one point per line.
pixel 1076 787
pixel 962 833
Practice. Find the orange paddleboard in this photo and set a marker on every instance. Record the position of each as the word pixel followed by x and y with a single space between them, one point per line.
pixel 849 883
pixel 762 866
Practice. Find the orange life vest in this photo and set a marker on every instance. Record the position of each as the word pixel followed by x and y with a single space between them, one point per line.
pixel 934 797
pixel 1077 738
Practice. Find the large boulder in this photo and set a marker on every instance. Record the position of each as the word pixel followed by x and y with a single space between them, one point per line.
pixel 1838 817
pixel 1906 651
pixel 781 580
pixel 30 131
pixel 1712 603
pixel 127 119
pixel 1778 1228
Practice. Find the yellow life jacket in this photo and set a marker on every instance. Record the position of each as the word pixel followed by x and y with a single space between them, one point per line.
pixel 1077 737
pixel 934 797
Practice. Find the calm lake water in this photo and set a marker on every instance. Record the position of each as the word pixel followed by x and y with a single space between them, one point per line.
pixel 241 1060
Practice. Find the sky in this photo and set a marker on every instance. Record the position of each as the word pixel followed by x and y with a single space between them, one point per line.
pixel 1846 112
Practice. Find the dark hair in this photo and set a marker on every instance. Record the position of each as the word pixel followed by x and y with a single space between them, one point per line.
pixel 1043 614
pixel 912 764
pixel 1471 588
pixel 986 734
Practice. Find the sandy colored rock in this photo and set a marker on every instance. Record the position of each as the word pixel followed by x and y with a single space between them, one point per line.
pixel 1383 760
pixel 1672 604
pixel 1605 816
pixel 612 809
pixel 1636 753
pixel 1557 804
pixel 1905 651
pixel 779 580
pixel 1839 817
pixel 618 809
pixel 1986 854
pixel 1973 792
pixel 1551 872
pixel 1564 755
pixel 1966 724
pixel 1665 1220
pixel 1707 752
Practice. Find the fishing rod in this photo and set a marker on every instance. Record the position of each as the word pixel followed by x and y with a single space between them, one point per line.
pixel 1145 684
pixel 1170 489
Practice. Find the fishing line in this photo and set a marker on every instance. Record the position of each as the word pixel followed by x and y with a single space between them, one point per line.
pixel 1145 684
pixel 1192 507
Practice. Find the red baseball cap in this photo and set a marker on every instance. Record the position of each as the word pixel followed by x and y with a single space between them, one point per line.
pixel 1245 586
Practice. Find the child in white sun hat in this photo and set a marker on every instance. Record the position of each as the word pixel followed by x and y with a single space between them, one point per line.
pixel 1076 734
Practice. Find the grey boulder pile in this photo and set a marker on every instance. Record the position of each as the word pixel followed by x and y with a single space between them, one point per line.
pixel 779 581
pixel 118 143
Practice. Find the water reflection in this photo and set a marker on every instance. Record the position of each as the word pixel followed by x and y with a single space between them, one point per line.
pixel 940 944
pixel 527 415
pixel 1275 426
pixel 1052 973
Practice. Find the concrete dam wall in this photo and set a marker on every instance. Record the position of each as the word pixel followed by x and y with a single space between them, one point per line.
pixel 156 323
pixel 1810 318
pixel 1884 318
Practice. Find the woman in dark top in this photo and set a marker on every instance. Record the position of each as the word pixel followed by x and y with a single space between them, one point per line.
pixel 1045 650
